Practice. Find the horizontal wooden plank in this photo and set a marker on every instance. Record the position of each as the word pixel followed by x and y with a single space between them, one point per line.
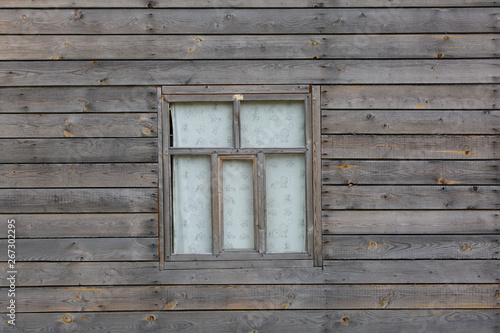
pixel 410 122
pixel 412 247
pixel 242 3
pixel 103 47
pixel 121 125
pixel 123 200
pixel 431 147
pixel 261 90
pixel 411 222
pixel 81 225
pixel 85 249
pixel 76 150
pixel 78 99
pixel 248 21
pixel 411 97
pixel 313 321
pixel 87 273
pixel 254 297
pixel 78 175
pixel 337 172
pixel 411 197
pixel 57 73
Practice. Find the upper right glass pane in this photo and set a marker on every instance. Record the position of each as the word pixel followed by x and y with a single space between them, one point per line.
pixel 272 124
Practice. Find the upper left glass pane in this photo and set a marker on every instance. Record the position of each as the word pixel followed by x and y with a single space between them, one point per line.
pixel 202 124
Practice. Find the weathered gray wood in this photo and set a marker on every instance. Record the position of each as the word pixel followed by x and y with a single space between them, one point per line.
pixel 78 175
pixel 337 172
pixel 235 89
pixel 101 47
pixel 410 122
pixel 76 150
pixel 248 21
pixel 85 249
pixel 81 225
pixel 411 222
pixel 411 97
pixel 241 3
pixel 162 233
pixel 88 273
pixel 18 201
pixel 316 172
pixel 411 247
pixel 78 125
pixel 82 99
pixel 410 147
pixel 313 321
pixel 269 297
pixel 57 73
pixel 411 197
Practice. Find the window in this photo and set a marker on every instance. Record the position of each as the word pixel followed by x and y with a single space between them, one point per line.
pixel 237 176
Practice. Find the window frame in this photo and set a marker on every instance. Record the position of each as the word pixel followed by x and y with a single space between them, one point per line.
pixel 310 150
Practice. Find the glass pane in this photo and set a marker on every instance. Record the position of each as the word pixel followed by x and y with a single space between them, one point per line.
pixel 285 199
pixel 202 124
pixel 272 124
pixel 192 204
pixel 237 204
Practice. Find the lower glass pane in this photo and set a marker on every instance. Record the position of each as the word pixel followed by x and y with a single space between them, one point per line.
pixel 286 203
pixel 192 204
pixel 238 204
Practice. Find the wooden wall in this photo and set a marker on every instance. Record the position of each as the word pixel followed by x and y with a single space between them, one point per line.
pixel 410 122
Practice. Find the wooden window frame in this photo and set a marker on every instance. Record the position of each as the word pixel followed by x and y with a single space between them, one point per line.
pixel 236 258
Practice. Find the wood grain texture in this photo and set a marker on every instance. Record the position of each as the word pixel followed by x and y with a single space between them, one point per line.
pixel 248 297
pixel 78 150
pixel 78 175
pixel 410 122
pixel 86 249
pixel 88 273
pixel 77 99
pixel 119 125
pixel 411 247
pixel 413 97
pixel 410 147
pixel 411 222
pixel 411 197
pixel 338 172
pixel 19 201
pixel 82 225
pixel 198 47
pixel 104 73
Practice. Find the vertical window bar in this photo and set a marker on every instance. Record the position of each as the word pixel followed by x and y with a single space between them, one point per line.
pixel 167 180
pixel 236 121
pixel 216 217
pixel 309 201
pixel 261 203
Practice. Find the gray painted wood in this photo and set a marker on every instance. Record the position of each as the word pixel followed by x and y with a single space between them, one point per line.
pixel 313 321
pixel 413 97
pixel 411 222
pixel 78 150
pixel 235 89
pixel 338 172
pixel 82 225
pixel 78 125
pixel 86 249
pixel 109 47
pixel 410 122
pixel 411 247
pixel 252 297
pixel 78 175
pixel 410 147
pixel 62 73
pixel 123 200
pixel 411 197
pixel 88 273
pixel 77 99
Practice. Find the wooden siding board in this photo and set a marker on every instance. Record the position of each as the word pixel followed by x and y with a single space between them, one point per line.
pixel 123 200
pixel 249 21
pixel 411 222
pixel 78 150
pixel 255 297
pixel 104 73
pixel 431 147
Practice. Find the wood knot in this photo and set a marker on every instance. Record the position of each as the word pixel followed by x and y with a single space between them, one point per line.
pixel 346 320
pixel 77 296
pixel 25 17
pixel 383 304
pixel 467 152
pixel 373 245
pixel 314 43
pixel 191 49
pixel 255 331
pixel 446 37
pixel 67 319
pixel 439 55
pixel 151 4
pixel 369 116
pixel 198 40
pixel 466 248
pixel 95 63
pixel 150 318
pixel 78 14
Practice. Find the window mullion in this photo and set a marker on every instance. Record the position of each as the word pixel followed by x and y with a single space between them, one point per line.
pixel 216 214
pixel 261 203
pixel 236 123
